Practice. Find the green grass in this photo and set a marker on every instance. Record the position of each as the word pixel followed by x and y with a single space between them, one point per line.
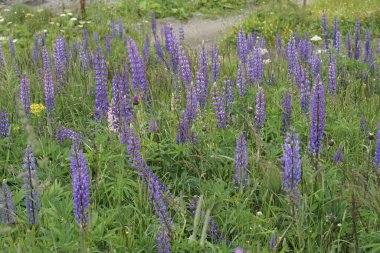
pixel 121 218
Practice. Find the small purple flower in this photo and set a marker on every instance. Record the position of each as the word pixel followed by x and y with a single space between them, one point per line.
pixel 30 180
pixel 153 127
pixel 272 242
pixel 181 35
pixel 239 250
pixel 203 65
pixel 7 208
pixel 241 154
pixel 291 54
pixel 25 94
pixel 305 94
pixel 259 110
pixel 338 155
pixel 317 117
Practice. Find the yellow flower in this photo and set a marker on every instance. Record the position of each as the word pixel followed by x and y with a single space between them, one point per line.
pixel 29 14
pixel 16 128
pixel 37 108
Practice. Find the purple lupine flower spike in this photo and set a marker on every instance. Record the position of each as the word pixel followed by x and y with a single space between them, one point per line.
pixel 154 24
pixel 376 161
pixel 240 80
pixel 96 38
pixel 367 47
pixel 272 242
pixel 101 102
pixel 357 40
pixel 108 44
pixel 85 39
pixel 153 127
pixel 146 50
pixel 113 28
pixel 228 93
pixel 80 185
pixel 241 154
pixel 35 55
pixel 7 208
pixel 11 47
pixel 291 168
pixel 259 110
pixel 287 112
pixel 348 45
pixel 335 33
pixel 325 30
pixel 25 94
pixel 305 94
pixel 181 35
pixel 203 65
pixel 120 28
pixel 291 56
pixel 278 44
pixel 201 89
pixel 219 108
pixel 191 102
pixel 242 49
pixel 332 75
pixel 1 57
pixel 317 117
pixel 30 185
pixel 49 92
pixel 215 63
pixel 158 193
pixel 4 123
pixel 185 67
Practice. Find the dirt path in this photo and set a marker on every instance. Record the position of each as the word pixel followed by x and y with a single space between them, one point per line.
pixel 199 29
